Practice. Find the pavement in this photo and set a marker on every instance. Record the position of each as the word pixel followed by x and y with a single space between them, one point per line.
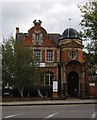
pixel 50 102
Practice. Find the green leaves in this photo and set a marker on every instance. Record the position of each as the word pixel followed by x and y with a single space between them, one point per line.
pixel 18 67
pixel 89 18
pixel 89 26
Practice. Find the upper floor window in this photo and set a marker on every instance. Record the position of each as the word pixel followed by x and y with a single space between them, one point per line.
pixel 72 54
pixel 37 55
pixel 37 37
pixel 49 55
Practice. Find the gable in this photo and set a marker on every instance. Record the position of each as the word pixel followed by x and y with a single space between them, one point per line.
pixel 39 37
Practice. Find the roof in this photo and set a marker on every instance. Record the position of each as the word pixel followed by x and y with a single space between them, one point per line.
pixel 70 33
pixel 54 37
pixel 21 36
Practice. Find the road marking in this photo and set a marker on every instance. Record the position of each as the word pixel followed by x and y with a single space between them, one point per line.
pixel 94 115
pixel 10 116
pixel 49 116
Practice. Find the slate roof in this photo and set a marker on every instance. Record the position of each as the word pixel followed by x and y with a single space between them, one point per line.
pixel 70 33
pixel 54 37
pixel 21 36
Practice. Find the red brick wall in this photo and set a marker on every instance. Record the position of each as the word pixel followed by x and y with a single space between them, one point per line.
pixel 65 57
pixel 55 55
pixel 92 91
pixel 80 56
pixel 46 44
pixel 52 69
pixel 43 55
pixel 46 41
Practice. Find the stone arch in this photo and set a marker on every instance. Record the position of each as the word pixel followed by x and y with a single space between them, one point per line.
pixel 74 66
pixel 74 78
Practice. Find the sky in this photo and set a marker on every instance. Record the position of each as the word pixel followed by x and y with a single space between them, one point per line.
pixel 56 15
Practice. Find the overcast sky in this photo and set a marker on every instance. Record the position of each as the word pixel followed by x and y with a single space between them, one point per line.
pixel 54 15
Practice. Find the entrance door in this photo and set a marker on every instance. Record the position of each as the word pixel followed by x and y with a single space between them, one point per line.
pixel 73 84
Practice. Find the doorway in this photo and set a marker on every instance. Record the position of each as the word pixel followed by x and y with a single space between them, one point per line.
pixel 72 84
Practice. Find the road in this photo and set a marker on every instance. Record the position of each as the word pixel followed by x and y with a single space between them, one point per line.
pixel 50 111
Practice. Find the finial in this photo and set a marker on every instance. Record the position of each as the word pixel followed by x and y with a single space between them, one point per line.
pixel 69 22
pixel 37 22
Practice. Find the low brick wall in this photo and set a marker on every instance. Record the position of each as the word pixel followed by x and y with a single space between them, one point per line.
pixel 92 89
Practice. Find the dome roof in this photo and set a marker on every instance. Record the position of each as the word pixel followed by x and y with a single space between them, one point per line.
pixel 70 33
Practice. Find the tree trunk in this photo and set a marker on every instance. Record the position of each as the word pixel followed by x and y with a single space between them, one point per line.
pixel 39 93
pixel 21 92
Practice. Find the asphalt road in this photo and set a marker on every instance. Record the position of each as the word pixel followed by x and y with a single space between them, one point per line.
pixel 50 111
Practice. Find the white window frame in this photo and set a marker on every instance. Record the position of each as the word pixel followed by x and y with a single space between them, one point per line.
pixel 49 74
pixel 50 59
pixel 38 54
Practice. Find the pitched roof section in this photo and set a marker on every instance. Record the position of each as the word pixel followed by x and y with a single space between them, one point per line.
pixel 21 36
pixel 54 37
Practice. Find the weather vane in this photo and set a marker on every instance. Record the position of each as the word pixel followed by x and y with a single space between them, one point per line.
pixel 69 26
pixel 69 22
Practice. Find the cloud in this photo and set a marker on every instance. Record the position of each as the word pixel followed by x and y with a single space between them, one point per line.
pixel 1 22
pixel 54 15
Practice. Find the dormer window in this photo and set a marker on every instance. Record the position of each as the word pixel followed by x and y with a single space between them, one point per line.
pixel 37 37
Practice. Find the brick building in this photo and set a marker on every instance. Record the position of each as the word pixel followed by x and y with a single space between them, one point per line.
pixel 60 56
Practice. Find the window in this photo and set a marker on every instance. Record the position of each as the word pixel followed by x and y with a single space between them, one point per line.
pixel 47 78
pixel 37 37
pixel 49 55
pixel 37 55
pixel 72 54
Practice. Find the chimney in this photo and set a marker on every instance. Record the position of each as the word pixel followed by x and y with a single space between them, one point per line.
pixel 17 32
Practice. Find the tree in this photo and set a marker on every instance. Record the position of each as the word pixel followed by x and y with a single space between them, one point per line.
pixel 89 26
pixel 17 64
pixel 89 19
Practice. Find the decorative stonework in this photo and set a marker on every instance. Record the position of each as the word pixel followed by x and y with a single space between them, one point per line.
pixel 37 37
pixel 72 55
pixel 71 44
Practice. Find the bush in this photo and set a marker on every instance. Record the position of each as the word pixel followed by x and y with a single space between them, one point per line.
pixel 46 91
pixel 32 91
pixel 16 92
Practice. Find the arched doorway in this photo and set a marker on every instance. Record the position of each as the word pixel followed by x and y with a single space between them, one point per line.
pixel 72 84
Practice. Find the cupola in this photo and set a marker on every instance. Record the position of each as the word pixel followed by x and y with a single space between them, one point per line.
pixel 70 33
